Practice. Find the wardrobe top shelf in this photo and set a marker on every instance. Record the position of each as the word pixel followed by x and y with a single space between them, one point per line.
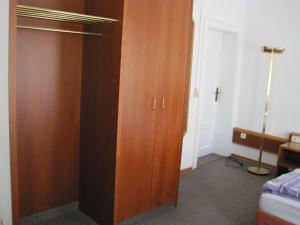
pixel 57 15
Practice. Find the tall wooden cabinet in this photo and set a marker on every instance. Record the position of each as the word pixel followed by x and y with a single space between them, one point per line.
pixel 97 114
pixel 171 97
pixel 138 105
pixel 154 71
pixel 154 66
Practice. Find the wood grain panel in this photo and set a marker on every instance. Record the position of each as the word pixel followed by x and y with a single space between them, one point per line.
pixel 174 60
pixel 140 68
pixel 68 5
pixel 271 143
pixel 13 113
pixel 49 69
pixel 189 78
pixel 99 118
pixel 264 218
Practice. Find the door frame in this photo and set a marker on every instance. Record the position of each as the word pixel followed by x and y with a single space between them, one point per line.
pixel 206 24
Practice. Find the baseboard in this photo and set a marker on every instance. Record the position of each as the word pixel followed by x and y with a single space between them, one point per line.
pixel 251 161
pixel 186 171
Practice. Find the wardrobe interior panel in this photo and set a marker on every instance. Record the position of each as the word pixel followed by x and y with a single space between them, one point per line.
pixel 66 5
pixel 99 118
pixel 49 74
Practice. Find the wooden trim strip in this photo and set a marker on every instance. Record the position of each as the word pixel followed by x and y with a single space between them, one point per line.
pixel 264 218
pixel 267 136
pixel 189 76
pixel 253 140
pixel 186 171
pixel 252 161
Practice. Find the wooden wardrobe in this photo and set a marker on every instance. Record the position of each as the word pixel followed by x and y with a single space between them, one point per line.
pixel 97 96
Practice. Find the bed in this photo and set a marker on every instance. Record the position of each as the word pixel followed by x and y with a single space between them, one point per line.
pixel 281 210
pixel 279 203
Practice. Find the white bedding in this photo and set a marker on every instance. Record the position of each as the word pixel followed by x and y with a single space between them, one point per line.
pixel 286 209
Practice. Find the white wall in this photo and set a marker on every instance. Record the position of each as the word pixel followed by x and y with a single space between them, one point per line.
pixel 268 22
pixel 272 23
pixel 227 11
pixel 5 193
pixel 230 11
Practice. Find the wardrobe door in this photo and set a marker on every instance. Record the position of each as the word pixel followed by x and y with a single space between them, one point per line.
pixel 139 83
pixel 171 98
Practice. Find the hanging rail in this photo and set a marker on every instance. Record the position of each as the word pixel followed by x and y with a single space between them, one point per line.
pixel 62 16
pixel 59 30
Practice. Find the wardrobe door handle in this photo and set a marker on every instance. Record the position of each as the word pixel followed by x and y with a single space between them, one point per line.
pixel 154 103
pixel 163 103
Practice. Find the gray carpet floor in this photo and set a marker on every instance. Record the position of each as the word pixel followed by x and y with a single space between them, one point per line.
pixel 217 193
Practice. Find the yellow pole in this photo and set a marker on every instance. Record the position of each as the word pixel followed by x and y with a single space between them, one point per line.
pixel 266 112
pixel 259 170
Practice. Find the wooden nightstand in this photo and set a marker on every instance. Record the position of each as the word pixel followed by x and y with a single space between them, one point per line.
pixel 288 158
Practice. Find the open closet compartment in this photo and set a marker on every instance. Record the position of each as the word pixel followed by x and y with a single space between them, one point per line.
pixel 98 89
pixel 67 86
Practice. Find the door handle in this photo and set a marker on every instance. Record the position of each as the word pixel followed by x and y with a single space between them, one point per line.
pixel 163 103
pixel 217 92
pixel 154 103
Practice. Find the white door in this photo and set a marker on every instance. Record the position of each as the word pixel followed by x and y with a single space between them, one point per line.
pixel 222 134
pixel 216 93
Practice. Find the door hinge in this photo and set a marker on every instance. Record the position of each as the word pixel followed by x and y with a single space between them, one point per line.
pixel 196 92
